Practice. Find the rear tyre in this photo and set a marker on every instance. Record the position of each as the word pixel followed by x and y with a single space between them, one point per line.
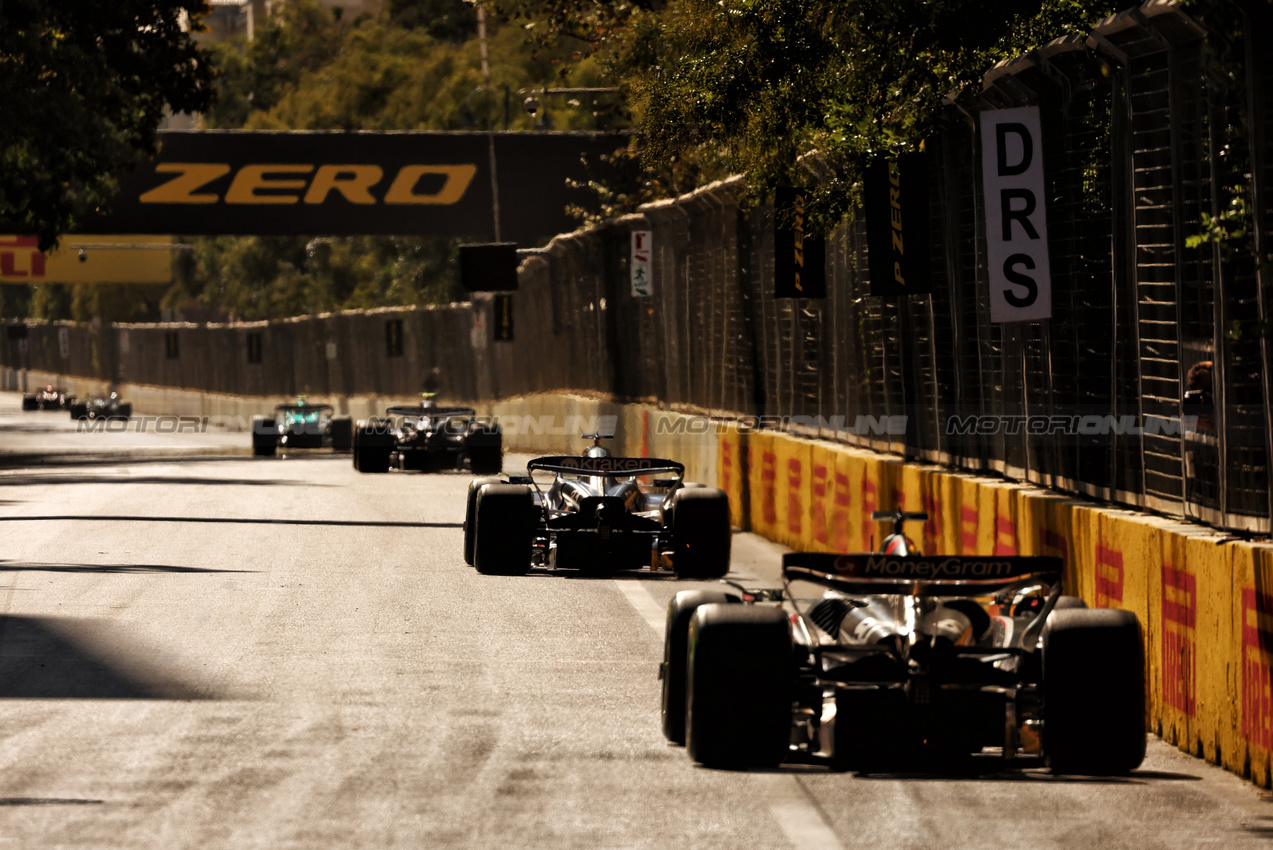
pixel 470 515
pixel 1066 603
pixel 79 410
pixel 486 460
pixel 701 533
pixel 372 449
pixel 738 703
pixel 505 529
pixel 1093 692
pixel 676 641
pixel 29 403
pixel 341 430
pixel 124 411
pixel 264 438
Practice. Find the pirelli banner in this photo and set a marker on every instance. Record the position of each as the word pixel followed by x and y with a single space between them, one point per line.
pixel 350 183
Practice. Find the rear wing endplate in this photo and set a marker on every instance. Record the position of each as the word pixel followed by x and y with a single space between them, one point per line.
pixel 874 573
pixel 607 467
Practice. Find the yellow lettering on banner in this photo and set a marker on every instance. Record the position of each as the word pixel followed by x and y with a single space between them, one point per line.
pixel 180 190
pixel 252 178
pixel 352 181
pixel 458 178
pixel 897 242
pixel 897 274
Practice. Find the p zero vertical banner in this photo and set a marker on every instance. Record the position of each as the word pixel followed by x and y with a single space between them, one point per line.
pixel 800 268
pixel 1016 219
pixel 503 317
pixel 896 202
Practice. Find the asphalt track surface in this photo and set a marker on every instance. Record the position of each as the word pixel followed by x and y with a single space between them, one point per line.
pixel 202 649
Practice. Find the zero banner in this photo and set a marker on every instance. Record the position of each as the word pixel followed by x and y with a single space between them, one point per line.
pixel 800 269
pixel 227 182
pixel 1016 219
pixel 896 204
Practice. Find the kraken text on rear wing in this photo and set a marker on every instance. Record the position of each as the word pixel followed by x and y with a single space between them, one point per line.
pixel 609 467
pixel 872 573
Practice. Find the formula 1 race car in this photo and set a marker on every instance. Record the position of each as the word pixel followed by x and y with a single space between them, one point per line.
pixel 102 407
pixel 301 426
pixel 48 398
pixel 429 439
pixel 593 513
pixel 904 659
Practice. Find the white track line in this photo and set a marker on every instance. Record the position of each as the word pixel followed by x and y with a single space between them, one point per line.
pixel 789 803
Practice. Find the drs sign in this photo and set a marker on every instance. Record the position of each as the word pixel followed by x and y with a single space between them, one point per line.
pixel 1016 223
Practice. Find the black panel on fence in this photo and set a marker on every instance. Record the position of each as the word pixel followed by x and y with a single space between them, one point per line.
pixel 800 266
pixel 489 268
pixel 896 207
pixel 17 331
pixel 233 182
pixel 503 318
pixel 393 338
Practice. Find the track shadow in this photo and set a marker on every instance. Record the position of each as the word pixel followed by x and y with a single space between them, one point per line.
pixel 14 567
pixel 53 658
pixel 41 480
pixel 234 520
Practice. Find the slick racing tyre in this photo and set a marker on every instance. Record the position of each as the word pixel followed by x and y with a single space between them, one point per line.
pixel 470 515
pixel 740 682
pixel 486 460
pixel 372 449
pixel 1093 692
pixel 505 529
pixel 701 533
pixel 29 403
pixel 676 641
pixel 341 431
pixel 79 410
pixel 124 411
pixel 264 438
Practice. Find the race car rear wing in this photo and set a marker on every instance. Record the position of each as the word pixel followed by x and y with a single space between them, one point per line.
pixel 607 467
pixel 874 573
pixel 433 412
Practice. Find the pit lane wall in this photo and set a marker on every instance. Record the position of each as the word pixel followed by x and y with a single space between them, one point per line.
pixel 1205 600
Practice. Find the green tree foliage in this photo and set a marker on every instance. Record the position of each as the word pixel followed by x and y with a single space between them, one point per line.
pixel 749 86
pixel 414 66
pixel 83 87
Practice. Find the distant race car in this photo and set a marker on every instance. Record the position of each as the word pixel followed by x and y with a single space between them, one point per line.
pixel 593 513
pixel 102 407
pixel 904 659
pixel 48 398
pixel 302 426
pixel 428 438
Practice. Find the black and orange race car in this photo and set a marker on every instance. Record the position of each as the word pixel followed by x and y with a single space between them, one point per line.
pixel 892 659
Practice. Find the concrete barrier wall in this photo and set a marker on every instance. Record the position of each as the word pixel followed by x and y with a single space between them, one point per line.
pixel 1205 600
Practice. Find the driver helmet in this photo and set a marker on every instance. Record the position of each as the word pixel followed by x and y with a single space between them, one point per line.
pixel 597 451
pixel 48 388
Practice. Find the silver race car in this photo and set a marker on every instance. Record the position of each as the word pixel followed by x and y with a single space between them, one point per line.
pixel 597 513
pixel 893 659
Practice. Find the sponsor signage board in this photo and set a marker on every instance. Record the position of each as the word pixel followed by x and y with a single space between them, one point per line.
pixel 104 259
pixel 800 269
pixel 641 267
pixel 1016 216
pixel 896 205
pixel 238 182
pixel 503 317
